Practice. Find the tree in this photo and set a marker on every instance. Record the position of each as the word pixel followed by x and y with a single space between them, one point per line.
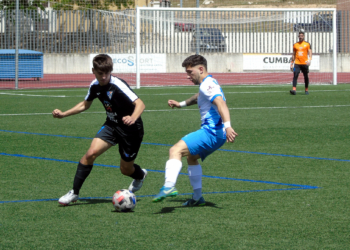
pixel 89 7
pixel 9 5
pixel 91 4
pixel 8 8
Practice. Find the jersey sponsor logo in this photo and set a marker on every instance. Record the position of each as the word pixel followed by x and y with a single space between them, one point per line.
pixel 98 93
pixel 109 94
pixel 108 106
pixel 111 116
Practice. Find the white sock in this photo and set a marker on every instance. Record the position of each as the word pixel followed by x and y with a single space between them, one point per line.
pixel 195 175
pixel 172 170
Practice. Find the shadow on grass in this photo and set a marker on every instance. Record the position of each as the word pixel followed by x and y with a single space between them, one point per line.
pixel 166 210
pixel 87 202
pixel 84 201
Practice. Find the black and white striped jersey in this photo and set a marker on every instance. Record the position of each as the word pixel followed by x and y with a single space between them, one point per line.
pixel 117 98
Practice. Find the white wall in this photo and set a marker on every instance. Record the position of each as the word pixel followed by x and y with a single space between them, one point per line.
pixel 217 62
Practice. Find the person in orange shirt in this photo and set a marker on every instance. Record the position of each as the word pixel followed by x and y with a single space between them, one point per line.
pixel 301 60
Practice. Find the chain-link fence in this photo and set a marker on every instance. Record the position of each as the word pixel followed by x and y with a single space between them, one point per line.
pixel 95 31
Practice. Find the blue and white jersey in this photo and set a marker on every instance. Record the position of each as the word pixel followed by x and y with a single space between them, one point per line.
pixel 211 120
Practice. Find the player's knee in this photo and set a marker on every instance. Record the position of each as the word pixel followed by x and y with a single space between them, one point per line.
pixel 91 155
pixel 174 150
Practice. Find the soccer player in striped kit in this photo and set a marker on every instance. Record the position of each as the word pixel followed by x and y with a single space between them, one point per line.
pixel 301 60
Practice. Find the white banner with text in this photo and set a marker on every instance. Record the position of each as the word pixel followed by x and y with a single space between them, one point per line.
pixel 273 62
pixel 126 63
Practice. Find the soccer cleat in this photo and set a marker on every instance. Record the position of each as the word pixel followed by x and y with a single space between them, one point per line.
pixel 137 184
pixel 194 203
pixel 68 198
pixel 165 192
pixel 306 92
pixel 293 92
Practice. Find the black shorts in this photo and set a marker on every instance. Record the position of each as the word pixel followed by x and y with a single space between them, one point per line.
pixel 129 143
pixel 301 67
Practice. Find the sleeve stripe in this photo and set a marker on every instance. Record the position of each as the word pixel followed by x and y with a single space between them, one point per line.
pixel 94 82
pixel 212 99
pixel 127 91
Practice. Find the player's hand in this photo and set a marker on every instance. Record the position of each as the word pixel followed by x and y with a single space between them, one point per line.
pixel 230 135
pixel 308 62
pixel 128 120
pixel 291 68
pixel 173 104
pixel 57 114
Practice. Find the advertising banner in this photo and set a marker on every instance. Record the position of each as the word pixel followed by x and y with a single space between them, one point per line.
pixel 273 62
pixel 126 63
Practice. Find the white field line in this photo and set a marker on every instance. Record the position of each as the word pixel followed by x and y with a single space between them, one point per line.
pixel 47 90
pixel 226 92
pixel 1 93
pixel 150 87
pixel 248 92
pixel 169 87
pixel 169 110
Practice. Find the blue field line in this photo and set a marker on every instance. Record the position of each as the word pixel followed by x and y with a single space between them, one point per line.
pixel 260 153
pixel 169 145
pixel 293 186
pixel 295 156
pixel 29 133
pixel 247 180
pixel 50 159
pixel 161 171
pixel 143 196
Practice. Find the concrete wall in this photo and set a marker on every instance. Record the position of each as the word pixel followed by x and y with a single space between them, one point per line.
pixel 217 62
pixel 66 63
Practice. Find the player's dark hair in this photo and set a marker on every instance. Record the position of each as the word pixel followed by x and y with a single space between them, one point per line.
pixel 103 62
pixel 195 60
pixel 301 32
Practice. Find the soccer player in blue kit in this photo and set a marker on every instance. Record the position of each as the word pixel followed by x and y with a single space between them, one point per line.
pixel 214 132
pixel 123 126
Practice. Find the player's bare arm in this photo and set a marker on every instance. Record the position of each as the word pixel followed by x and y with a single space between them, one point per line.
pixel 80 107
pixel 309 52
pixel 293 59
pixel 225 116
pixel 190 101
pixel 139 108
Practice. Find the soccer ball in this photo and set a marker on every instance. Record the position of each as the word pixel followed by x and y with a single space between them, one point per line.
pixel 124 200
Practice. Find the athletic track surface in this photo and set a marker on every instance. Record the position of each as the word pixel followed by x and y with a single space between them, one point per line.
pixel 169 79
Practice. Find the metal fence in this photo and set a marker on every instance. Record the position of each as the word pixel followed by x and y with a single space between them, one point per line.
pixel 234 3
pixel 94 31
pixel 80 31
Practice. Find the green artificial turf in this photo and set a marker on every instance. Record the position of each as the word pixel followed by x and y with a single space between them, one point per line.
pixel 283 184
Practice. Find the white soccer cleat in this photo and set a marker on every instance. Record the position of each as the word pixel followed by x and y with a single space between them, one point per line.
pixel 68 198
pixel 137 184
